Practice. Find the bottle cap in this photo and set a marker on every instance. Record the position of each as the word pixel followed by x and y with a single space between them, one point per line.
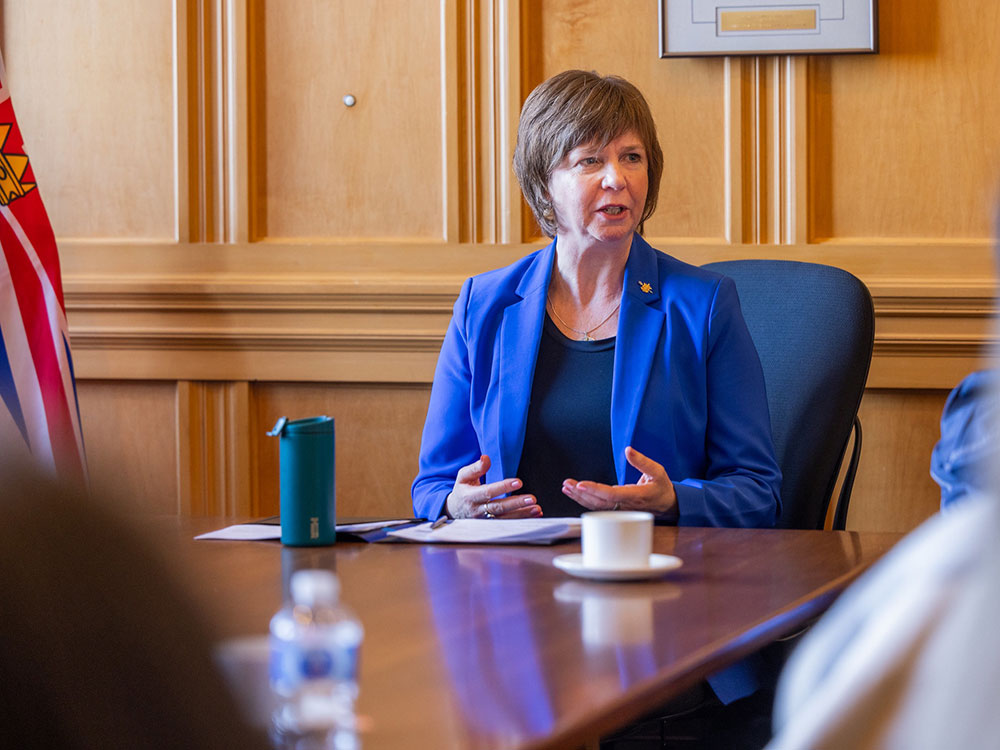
pixel 311 587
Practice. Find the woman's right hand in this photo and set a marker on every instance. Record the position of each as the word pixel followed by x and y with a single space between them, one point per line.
pixel 470 499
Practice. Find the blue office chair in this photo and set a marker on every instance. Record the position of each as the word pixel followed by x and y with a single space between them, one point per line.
pixel 814 328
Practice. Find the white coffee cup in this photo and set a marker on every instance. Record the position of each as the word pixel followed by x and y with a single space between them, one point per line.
pixel 621 539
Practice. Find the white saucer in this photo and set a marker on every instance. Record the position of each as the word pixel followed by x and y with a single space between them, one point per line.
pixel 658 566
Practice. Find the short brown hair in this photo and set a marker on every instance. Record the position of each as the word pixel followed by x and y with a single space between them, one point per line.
pixel 573 108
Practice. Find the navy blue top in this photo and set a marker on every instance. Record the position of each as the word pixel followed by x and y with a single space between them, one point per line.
pixel 568 433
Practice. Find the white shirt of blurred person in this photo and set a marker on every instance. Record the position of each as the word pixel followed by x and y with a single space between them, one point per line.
pixel 909 657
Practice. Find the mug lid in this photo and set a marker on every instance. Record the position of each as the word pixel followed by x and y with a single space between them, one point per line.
pixel 307 425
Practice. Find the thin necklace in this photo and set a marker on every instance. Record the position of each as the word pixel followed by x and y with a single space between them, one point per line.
pixel 586 334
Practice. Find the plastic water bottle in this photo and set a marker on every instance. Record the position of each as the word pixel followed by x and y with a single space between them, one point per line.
pixel 314 665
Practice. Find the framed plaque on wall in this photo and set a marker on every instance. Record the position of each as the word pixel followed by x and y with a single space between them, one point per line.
pixel 767 27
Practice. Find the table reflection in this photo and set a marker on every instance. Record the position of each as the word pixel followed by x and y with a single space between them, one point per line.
pixel 489 609
pixel 495 670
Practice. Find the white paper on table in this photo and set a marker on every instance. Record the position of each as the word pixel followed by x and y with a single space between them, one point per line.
pixel 253 532
pixel 492 531
pixel 246 532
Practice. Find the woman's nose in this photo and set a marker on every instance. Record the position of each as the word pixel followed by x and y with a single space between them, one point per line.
pixel 614 179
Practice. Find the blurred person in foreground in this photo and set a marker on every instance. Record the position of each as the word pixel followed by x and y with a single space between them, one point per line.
pixel 909 656
pixel 99 647
pixel 597 373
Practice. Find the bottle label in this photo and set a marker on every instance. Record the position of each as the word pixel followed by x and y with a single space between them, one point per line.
pixel 316 663
pixel 292 664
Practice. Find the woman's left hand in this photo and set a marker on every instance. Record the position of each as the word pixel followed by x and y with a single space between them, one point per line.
pixel 654 492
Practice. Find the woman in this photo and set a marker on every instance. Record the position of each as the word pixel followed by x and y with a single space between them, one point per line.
pixel 597 373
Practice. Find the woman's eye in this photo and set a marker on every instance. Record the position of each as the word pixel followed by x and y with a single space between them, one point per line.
pixel 635 158
pixel 588 161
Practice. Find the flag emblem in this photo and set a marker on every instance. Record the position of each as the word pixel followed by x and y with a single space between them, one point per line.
pixel 12 167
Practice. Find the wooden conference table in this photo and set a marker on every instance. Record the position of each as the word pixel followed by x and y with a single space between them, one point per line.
pixel 494 647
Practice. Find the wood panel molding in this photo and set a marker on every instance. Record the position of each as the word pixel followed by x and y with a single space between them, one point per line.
pixel 213 449
pixel 213 66
pixel 735 191
pixel 379 313
pixel 765 150
pixel 481 59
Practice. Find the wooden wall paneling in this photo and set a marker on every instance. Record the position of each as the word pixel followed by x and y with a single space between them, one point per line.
pixel 904 143
pixel 692 206
pixel 765 150
pixel 934 339
pixel 894 490
pixel 267 311
pixel 819 106
pixel 256 113
pixel 217 125
pixel 130 435
pixel 239 461
pixel 204 167
pixel 794 198
pixel 185 120
pixel 457 184
pixel 766 140
pixel 735 152
pixel 489 98
pixel 377 441
pixel 214 463
pixel 190 465
pixel 529 74
pixel 92 84
pixel 692 133
pixel 772 103
pixel 473 128
pixel 237 121
pixel 297 312
pixel 510 98
pixel 368 171
pixel 753 136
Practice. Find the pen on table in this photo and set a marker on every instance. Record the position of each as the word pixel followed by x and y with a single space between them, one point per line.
pixel 439 523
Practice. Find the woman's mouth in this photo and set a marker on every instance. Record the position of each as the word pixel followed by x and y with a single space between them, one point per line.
pixel 612 210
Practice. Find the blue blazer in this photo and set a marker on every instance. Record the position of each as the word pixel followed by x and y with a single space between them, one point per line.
pixel 688 389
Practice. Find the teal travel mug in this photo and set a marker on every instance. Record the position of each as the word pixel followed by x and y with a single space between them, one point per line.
pixel 308 481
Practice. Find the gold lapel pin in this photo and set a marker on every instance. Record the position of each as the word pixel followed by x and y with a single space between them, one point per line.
pixel 646 287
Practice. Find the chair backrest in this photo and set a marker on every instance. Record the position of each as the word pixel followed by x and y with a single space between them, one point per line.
pixel 814 328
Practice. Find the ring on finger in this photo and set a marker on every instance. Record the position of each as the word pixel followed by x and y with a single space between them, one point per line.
pixel 486 512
